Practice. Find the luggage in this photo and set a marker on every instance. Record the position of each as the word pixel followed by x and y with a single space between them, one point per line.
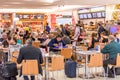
pixel 70 68
pixel 117 70
pixel 1 78
pixel 9 69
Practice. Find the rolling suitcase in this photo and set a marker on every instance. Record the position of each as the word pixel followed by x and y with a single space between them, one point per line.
pixel 8 71
pixel 1 78
pixel 70 68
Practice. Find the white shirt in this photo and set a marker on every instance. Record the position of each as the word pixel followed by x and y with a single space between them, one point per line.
pixel 77 33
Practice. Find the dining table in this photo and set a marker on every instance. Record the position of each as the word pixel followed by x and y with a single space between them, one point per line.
pixel 86 53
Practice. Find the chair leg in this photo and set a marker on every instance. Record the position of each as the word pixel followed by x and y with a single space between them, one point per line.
pixel 88 75
pixel 114 72
pixel 78 72
pixel 40 77
pixel 104 74
pixel 64 75
pixel 107 73
pixel 53 75
pixel 57 75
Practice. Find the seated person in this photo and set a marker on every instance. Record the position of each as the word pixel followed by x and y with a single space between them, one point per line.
pixel 94 39
pixel 82 35
pixel 113 48
pixel 117 38
pixel 42 38
pixel 66 39
pixel 55 43
pixel 104 37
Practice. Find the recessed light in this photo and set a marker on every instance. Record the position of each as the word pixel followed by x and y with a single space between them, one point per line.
pixel 28 0
pixel 4 5
pixel 16 3
pixel 47 1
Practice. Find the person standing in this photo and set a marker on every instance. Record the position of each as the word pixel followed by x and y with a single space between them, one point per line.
pixel 30 52
pixel 76 34
pixel 47 28
pixel 100 29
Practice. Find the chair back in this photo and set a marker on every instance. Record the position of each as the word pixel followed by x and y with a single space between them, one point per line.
pixel 57 63
pixel 14 56
pixel 96 60
pixel 66 52
pixel 118 60
pixel 36 44
pixel 84 48
pixel 30 67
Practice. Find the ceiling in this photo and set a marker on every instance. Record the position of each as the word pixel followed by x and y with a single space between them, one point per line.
pixel 49 4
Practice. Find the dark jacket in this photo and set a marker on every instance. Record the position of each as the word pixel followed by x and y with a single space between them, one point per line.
pixel 54 41
pixel 93 43
pixel 112 49
pixel 48 29
pixel 29 53
pixel 100 30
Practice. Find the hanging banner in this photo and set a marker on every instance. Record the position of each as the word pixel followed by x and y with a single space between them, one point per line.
pixel 53 21
pixel 73 20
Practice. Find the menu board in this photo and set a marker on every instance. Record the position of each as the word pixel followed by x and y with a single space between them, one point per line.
pixel 94 15
pixel 99 14
pixel 85 16
pixel 30 16
pixel 89 15
pixel 81 16
pixel 103 14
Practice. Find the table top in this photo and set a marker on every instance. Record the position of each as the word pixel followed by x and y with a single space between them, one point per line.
pixel 87 52
pixel 48 55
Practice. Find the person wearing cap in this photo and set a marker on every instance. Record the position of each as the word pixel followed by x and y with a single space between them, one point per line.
pixel 30 52
pixel 112 49
pixel 54 43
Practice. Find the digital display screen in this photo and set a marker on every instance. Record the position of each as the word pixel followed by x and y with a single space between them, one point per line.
pixel 85 16
pixel 94 15
pixel 99 15
pixel 103 14
pixel 89 15
pixel 81 16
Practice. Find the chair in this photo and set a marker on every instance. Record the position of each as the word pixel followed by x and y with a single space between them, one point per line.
pixel 117 65
pixel 96 60
pixel 66 52
pixel 36 44
pixel 57 64
pixel 14 56
pixel 30 67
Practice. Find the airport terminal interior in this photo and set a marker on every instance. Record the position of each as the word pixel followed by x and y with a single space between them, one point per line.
pixel 59 39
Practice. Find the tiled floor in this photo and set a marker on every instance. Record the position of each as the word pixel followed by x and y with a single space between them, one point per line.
pixel 59 75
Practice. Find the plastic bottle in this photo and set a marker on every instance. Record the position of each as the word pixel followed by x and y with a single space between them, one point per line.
pixel 98 48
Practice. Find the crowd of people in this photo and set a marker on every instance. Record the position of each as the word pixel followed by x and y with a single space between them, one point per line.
pixel 63 35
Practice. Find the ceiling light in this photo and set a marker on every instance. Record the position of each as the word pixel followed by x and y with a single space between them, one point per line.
pixel 50 1
pixel 16 3
pixel 28 0
pixel 4 5
pixel 47 1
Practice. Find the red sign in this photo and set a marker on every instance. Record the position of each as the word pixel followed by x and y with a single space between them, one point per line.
pixel 53 21
pixel 73 20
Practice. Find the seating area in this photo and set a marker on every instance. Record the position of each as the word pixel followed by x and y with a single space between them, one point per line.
pixel 59 40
